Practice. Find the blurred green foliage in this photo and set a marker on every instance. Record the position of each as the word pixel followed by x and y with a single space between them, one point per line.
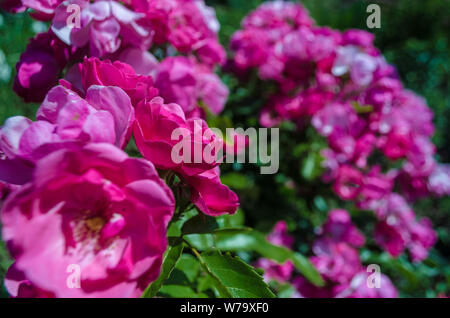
pixel 414 36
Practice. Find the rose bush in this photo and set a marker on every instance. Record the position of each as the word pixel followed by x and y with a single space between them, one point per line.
pixel 104 195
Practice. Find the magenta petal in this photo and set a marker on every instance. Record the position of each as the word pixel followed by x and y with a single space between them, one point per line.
pixel 117 102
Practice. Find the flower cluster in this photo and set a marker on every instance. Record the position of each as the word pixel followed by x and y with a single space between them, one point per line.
pixel 336 259
pixel 72 200
pixel 339 83
pixel 126 32
pixel 272 270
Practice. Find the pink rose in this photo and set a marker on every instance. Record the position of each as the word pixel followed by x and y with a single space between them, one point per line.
pixel 18 286
pixel 106 73
pixel 155 124
pixel 42 9
pixel 339 228
pixel 64 119
pixel 189 23
pixel 336 262
pixel 103 108
pixel 274 271
pixel 93 209
pixel 399 229
pixel 210 195
pixel 181 80
pixel 359 288
pixel 176 81
pixel 39 66
pixel 103 25
pixel 280 236
pixel 348 182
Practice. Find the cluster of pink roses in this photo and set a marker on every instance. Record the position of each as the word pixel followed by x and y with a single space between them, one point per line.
pixel 336 259
pixel 76 198
pixel 72 199
pixel 341 84
pixel 125 32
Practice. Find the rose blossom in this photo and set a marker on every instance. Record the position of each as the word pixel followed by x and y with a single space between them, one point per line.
pixel 106 73
pixel 153 129
pixel 64 118
pixel 183 81
pixel 39 66
pixel 104 26
pixel 94 208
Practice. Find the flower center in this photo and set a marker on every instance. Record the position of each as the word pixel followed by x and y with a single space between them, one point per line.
pixel 95 224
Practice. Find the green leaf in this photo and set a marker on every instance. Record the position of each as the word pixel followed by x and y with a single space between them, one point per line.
pixel 255 241
pixel 199 224
pixel 203 224
pixel 171 257
pixel 189 265
pixel 233 220
pixel 202 242
pixel 232 230
pixel 308 167
pixel 237 181
pixel 179 291
pixel 234 278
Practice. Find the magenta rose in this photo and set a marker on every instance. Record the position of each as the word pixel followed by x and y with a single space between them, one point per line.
pixel 39 66
pixel 153 129
pixel 105 73
pixel 92 211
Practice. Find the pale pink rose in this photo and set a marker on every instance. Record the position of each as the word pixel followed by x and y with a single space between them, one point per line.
pixel 102 109
pixel 104 26
pixel 439 180
pixel 336 262
pixel 359 288
pixel 399 229
pixel 94 209
pixel 18 286
pixel 339 228
pixel 143 62
pixel 182 81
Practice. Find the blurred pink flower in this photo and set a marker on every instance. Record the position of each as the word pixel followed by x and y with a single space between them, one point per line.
pixel 398 229
pixel 273 270
pixel 339 228
pixel 181 80
pixel 104 26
